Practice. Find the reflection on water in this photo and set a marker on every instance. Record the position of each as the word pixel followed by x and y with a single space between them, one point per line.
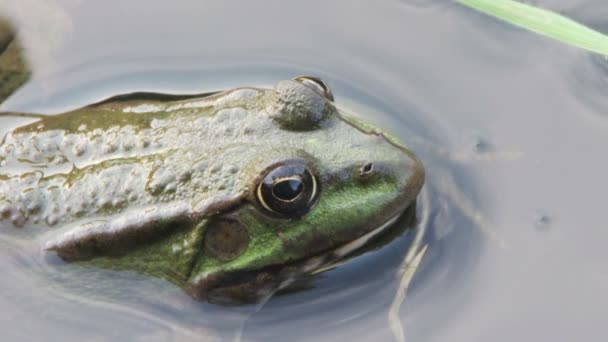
pixel 511 128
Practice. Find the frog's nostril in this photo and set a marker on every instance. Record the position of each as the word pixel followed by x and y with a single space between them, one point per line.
pixel 367 170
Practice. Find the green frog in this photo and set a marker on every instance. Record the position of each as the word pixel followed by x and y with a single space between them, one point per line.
pixel 229 195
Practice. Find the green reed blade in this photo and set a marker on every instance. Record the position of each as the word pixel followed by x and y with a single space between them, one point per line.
pixel 543 22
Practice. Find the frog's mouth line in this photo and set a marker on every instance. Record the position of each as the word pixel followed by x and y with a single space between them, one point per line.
pixel 256 285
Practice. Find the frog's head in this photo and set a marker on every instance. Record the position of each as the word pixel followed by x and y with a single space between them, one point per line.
pixel 331 183
pixel 314 185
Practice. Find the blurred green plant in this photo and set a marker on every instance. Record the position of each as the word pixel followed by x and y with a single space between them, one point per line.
pixel 543 22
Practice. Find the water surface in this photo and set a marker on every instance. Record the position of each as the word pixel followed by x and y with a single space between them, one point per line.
pixel 512 129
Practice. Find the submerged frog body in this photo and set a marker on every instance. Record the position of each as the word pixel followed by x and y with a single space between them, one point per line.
pixel 228 195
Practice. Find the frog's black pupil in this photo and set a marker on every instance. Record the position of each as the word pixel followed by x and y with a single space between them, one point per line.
pixel 288 189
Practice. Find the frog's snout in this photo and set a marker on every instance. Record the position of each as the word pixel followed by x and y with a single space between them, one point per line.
pixel 412 172
pixel 408 172
pixel 414 176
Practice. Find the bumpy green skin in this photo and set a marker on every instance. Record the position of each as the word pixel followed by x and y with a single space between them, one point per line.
pixel 134 183
pixel 14 71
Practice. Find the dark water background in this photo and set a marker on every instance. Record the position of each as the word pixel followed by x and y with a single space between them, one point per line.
pixel 512 128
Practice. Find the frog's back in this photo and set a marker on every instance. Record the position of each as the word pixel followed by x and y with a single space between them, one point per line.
pixel 125 152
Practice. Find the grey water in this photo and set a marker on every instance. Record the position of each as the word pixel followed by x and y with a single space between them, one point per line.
pixel 512 128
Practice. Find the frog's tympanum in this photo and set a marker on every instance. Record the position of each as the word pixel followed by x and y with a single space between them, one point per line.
pixel 229 195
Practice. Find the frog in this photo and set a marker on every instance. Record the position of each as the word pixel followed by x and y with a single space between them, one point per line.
pixel 230 195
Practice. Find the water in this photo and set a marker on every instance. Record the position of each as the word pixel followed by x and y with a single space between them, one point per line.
pixel 512 129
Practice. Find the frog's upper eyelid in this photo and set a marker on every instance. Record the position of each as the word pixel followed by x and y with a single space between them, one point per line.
pixel 316 84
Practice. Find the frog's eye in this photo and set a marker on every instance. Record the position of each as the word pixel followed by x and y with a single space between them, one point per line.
pixel 317 85
pixel 288 190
